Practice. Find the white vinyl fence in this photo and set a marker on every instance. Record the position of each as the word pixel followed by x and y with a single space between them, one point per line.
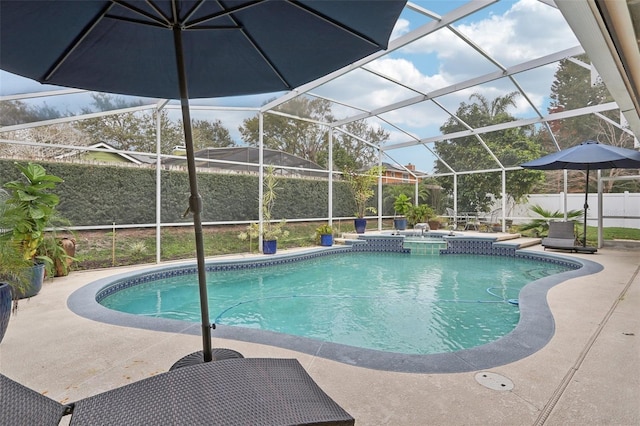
pixel 618 210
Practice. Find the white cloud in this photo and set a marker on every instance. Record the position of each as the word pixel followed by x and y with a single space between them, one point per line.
pixel 401 28
pixel 527 30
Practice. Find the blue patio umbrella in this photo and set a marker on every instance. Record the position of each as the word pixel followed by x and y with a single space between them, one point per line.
pixel 176 49
pixel 589 155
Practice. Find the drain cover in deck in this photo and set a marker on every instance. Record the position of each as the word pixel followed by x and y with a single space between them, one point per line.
pixel 494 381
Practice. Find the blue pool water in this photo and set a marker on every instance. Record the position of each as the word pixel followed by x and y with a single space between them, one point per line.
pixel 389 302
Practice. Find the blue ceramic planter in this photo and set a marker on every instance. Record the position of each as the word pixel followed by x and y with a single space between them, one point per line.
pixel 269 247
pixel 5 308
pixel 360 225
pixel 35 285
pixel 400 224
pixel 326 240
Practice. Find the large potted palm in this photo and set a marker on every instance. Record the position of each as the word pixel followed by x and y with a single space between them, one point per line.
pixel 28 211
pixel 361 185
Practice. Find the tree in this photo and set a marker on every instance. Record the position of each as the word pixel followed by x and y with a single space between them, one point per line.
pixel 352 152
pixel 302 138
pixel 510 146
pixel 309 140
pixel 361 186
pixel 572 89
pixel 210 134
pixel 17 112
pixel 131 131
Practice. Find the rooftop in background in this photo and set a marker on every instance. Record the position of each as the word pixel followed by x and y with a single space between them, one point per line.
pixel 236 159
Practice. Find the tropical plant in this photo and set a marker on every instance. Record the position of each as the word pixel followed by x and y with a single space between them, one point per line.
pixel 540 226
pixel 54 256
pixel 421 213
pixel 324 229
pixel 402 204
pixel 269 233
pixel 361 185
pixel 14 268
pixel 31 206
pixel 270 230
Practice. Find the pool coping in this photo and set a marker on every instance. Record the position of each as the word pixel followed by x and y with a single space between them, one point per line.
pixel 534 330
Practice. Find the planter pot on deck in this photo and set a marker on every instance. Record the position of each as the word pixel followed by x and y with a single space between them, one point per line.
pixel 269 246
pixel 5 308
pixel 326 240
pixel 34 287
pixel 360 225
pixel 400 223
pixel 434 224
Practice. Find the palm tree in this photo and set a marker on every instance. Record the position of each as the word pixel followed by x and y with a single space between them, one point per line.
pixel 496 110
pixel 540 226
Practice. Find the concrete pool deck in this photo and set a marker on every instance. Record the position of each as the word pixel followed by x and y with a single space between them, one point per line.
pixel 588 374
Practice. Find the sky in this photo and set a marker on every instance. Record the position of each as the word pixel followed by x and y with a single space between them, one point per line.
pixel 511 32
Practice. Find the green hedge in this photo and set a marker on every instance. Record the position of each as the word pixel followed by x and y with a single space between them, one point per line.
pixel 93 195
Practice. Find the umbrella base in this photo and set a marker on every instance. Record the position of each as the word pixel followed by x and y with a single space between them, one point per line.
pixel 217 354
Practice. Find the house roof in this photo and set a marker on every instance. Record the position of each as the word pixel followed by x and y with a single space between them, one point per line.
pixel 247 159
pixel 128 156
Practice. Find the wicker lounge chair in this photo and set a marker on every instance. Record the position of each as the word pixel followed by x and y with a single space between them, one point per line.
pixel 562 237
pixel 249 391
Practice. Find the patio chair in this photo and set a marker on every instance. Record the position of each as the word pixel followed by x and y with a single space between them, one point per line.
pixel 471 222
pixel 452 219
pixel 562 236
pixel 492 219
pixel 265 391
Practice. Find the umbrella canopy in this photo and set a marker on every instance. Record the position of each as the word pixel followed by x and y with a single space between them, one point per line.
pixel 589 155
pixel 229 47
pixel 177 49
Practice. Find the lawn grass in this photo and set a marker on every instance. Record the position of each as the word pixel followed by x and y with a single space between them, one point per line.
pixel 614 233
pixel 104 249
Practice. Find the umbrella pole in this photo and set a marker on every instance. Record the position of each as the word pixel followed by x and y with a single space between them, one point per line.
pixel 586 207
pixel 195 200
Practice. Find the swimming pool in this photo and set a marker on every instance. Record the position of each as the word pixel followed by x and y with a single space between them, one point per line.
pixel 533 331
pixel 382 301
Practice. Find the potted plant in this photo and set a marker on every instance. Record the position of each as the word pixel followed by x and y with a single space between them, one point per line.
pixel 14 269
pixel 15 277
pixel 324 235
pixel 361 188
pixel 421 213
pixel 30 208
pixel 271 231
pixel 57 253
pixel 401 206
